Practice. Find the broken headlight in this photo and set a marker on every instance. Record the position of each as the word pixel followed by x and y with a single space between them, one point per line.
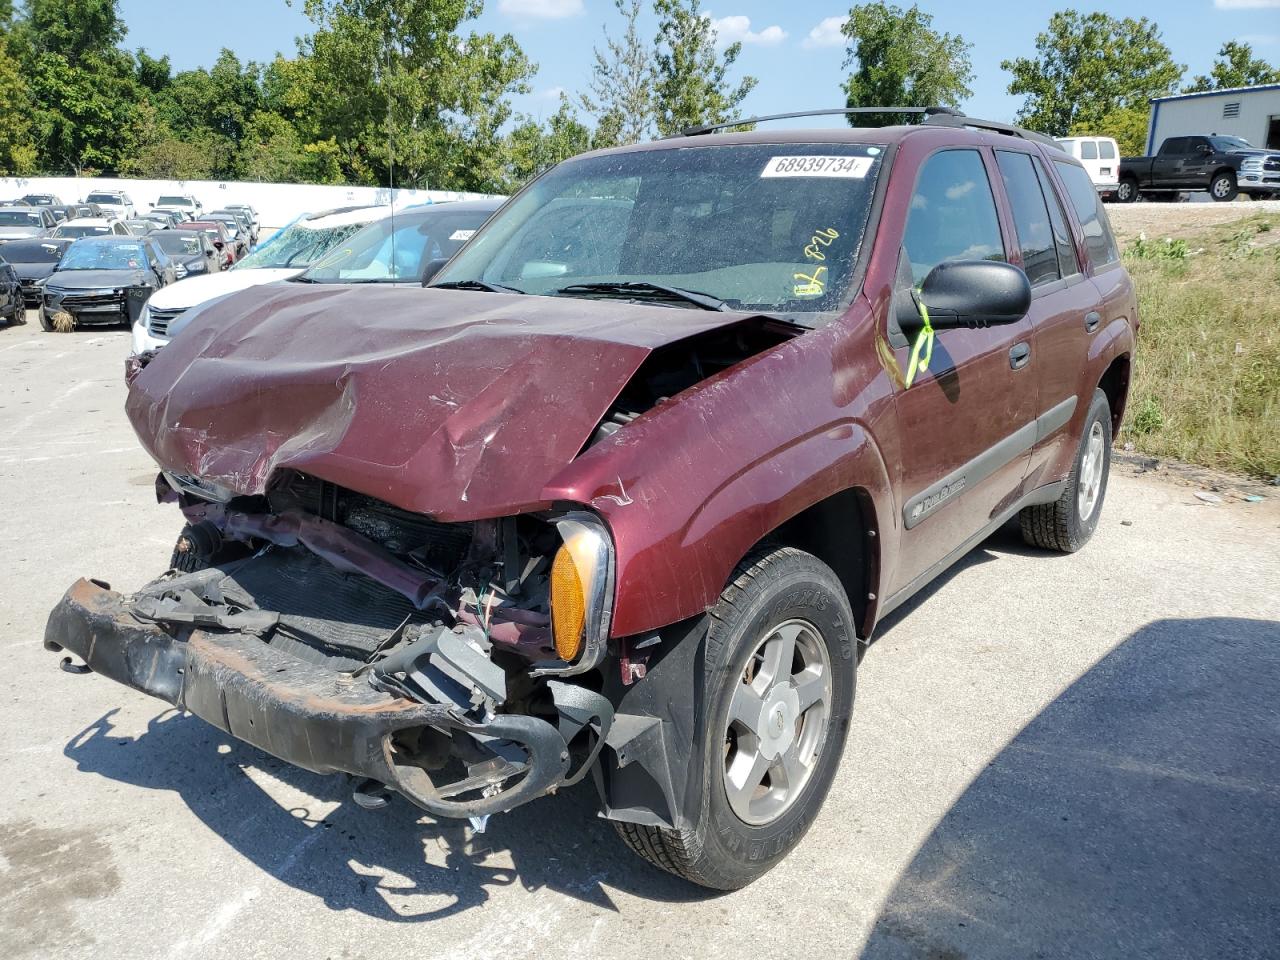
pixel 581 593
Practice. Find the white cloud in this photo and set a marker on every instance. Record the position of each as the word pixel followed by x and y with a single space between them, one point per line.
pixel 541 9
pixel 551 93
pixel 826 34
pixel 1245 4
pixel 1260 39
pixel 738 30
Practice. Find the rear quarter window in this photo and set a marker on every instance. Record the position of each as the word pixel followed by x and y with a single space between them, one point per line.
pixel 1100 243
pixel 1088 150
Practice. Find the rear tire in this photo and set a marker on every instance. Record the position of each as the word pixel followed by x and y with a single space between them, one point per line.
pixel 1223 187
pixel 197 549
pixel 764 740
pixel 1067 524
pixel 1127 191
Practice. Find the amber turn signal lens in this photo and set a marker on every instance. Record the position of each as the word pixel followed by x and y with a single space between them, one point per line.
pixel 568 605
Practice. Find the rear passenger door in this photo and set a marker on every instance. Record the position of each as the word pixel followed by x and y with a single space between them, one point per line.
pixel 1063 302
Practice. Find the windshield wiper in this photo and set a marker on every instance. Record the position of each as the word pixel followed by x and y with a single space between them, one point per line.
pixel 474 285
pixel 696 297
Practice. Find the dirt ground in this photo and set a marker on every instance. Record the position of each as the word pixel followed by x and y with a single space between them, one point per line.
pixel 1177 219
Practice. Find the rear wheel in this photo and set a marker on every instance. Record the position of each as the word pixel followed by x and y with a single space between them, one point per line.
pixel 1127 192
pixel 1067 524
pixel 781 656
pixel 200 546
pixel 1223 186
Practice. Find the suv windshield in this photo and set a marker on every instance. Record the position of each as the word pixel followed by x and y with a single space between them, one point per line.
pixel 378 254
pixel 16 218
pixel 178 243
pixel 775 227
pixel 296 246
pixel 103 255
pixel 81 231
pixel 173 202
pixel 1227 144
pixel 103 198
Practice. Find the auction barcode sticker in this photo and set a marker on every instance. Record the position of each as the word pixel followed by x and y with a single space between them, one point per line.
pixel 462 235
pixel 854 168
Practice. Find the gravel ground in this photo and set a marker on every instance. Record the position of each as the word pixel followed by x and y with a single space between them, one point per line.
pixel 1162 219
pixel 1052 756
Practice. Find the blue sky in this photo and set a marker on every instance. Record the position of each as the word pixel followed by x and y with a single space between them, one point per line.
pixel 793 49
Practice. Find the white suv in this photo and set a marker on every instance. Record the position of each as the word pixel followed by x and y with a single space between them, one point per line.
pixel 1100 157
pixel 113 202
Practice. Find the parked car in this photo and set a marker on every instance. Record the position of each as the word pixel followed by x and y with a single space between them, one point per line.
pixel 236 232
pixel 1224 166
pixel 191 251
pixel 254 220
pixel 42 200
pixel 403 248
pixel 103 280
pixel 141 228
pixel 625 490
pixel 285 254
pixel 217 232
pixel 34 261
pixel 63 213
pixel 164 219
pixel 1100 157
pixel 115 203
pixel 18 223
pixel 91 227
pixel 178 214
pixel 240 219
pixel 184 202
pixel 12 308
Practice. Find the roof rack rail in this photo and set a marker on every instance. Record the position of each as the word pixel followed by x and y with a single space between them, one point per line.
pixel 933 116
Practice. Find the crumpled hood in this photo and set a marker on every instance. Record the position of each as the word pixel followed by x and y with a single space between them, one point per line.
pixel 457 404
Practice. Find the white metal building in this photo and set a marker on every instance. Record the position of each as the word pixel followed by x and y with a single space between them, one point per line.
pixel 1249 112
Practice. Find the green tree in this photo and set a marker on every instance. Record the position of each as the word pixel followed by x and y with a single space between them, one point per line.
pixel 619 95
pixel 1235 66
pixel 17 152
pixel 691 83
pixel 1088 66
pixel 901 60
pixel 395 83
pixel 534 147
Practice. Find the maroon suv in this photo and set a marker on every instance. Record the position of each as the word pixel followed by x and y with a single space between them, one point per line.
pixel 623 493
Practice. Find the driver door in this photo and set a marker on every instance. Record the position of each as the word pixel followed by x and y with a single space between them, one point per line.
pixel 967 423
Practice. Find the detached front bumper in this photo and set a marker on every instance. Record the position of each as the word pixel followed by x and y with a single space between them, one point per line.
pixel 303 713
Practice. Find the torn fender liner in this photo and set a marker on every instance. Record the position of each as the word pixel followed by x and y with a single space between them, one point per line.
pixel 457 404
pixel 298 711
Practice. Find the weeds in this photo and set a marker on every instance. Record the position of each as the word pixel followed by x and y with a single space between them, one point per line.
pixel 1206 382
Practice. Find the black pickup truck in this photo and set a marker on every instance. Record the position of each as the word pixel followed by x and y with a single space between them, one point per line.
pixel 1224 166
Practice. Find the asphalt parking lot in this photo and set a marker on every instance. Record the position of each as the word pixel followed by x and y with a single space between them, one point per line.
pixel 1051 757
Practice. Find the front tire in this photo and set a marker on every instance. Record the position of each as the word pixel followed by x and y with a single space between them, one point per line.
pixel 1223 186
pixel 1067 524
pixel 781 658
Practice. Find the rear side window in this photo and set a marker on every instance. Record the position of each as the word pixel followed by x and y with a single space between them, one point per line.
pixel 1106 150
pixel 1030 217
pixel 1099 242
pixel 1174 145
pixel 1068 263
pixel 1088 150
pixel 953 214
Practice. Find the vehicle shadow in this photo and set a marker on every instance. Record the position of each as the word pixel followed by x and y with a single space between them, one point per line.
pixel 1135 816
pixel 387 864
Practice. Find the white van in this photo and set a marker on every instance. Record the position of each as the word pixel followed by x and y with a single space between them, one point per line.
pixel 1100 156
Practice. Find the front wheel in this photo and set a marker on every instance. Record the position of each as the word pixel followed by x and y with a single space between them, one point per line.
pixel 1127 192
pixel 1067 524
pixel 1223 186
pixel 781 655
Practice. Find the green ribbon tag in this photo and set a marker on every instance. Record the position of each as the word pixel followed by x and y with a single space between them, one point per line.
pixel 922 352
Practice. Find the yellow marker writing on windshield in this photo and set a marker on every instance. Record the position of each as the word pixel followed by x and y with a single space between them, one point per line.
pixel 812 286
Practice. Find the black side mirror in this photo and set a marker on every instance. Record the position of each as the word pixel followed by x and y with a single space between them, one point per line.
pixel 432 268
pixel 975 293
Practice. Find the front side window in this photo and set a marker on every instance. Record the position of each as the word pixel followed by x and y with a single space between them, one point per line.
pixel 1030 217
pixel 953 214
pixel 773 227
pixel 1099 242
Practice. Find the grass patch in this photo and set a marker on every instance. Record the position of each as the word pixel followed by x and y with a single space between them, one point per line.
pixel 1206 381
